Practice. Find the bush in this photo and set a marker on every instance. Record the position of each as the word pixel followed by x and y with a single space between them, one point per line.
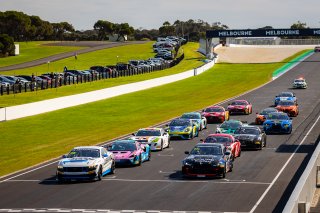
pixel 6 45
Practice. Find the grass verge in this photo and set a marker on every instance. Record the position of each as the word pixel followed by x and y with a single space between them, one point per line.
pixel 34 50
pixel 191 61
pixel 32 140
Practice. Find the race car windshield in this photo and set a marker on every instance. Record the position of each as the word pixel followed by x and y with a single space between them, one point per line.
pixel 92 153
pixel 229 125
pixel 206 150
pixel 247 131
pixel 214 110
pixel 267 111
pixel 299 81
pixel 191 116
pixel 180 123
pixel 218 139
pixel 286 103
pixel 278 116
pixel 238 103
pixel 285 95
pixel 148 133
pixel 122 147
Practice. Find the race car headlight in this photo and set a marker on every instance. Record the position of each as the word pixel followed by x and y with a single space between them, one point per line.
pixel 92 167
pixel 188 129
pixel 60 168
pixel 286 125
pixel 154 140
pixel 187 163
pixel 132 156
pixel 220 164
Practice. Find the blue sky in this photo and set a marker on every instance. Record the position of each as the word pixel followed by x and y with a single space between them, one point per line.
pixel 149 14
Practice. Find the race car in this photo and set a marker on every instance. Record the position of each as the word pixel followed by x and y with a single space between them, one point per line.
pixel 277 122
pixel 157 138
pixel 299 83
pixel 240 106
pixel 215 114
pixel 228 141
pixel 289 107
pixel 129 152
pixel 284 96
pixel 229 126
pixel 251 137
pixel 201 121
pixel 261 117
pixel 85 162
pixel 183 128
pixel 317 49
pixel 207 160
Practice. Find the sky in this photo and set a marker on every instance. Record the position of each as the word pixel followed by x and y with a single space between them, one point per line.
pixel 151 14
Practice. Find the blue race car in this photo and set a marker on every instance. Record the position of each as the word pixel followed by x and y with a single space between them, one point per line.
pixel 183 128
pixel 277 122
pixel 283 96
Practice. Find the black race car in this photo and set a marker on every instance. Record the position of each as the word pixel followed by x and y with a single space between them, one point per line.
pixel 207 160
pixel 251 137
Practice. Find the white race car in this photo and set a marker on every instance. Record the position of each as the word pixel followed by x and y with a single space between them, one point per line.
pixel 300 83
pixel 157 138
pixel 85 162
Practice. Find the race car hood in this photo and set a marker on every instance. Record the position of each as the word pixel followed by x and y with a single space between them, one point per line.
pixel 228 131
pixel 245 137
pixel 278 121
pixel 213 113
pixel 203 159
pixel 178 128
pixel 123 154
pixel 78 161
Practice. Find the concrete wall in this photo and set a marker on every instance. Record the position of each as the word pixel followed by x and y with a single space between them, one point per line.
pixel 20 111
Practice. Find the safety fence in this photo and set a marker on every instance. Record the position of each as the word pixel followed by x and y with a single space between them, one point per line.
pixel 61 80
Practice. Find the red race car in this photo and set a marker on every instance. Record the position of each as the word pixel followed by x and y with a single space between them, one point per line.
pixel 215 114
pixel 240 106
pixel 228 141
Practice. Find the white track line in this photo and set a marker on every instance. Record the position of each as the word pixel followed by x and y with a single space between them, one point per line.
pixel 283 167
pixel 37 168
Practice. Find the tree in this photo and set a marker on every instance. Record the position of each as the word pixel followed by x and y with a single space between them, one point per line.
pixel 299 25
pixel 104 29
pixel 123 29
pixel 60 29
pixel 167 29
pixel 6 45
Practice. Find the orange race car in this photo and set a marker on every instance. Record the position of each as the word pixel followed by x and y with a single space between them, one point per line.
pixel 261 117
pixel 289 107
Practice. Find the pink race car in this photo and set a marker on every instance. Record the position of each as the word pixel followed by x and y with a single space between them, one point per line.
pixel 129 152
pixel 240 106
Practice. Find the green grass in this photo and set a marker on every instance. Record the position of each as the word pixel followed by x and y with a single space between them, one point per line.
pixel 191 61
pixel 30 51
pixel 32 140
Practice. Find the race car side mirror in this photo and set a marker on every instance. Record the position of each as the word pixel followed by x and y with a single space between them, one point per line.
pixel 202 140
pixel 64 156
pixel 203 110
pixel 167 125
pixel 187 152
pixel 227 153
pixel 133 134
pixel 105 155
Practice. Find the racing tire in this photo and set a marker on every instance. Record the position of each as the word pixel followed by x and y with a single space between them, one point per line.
pixel 191 136
pixel 224 172
pixel 168 143
pixel 140 160
pixel 260 147
pixel 60 180
pixel 149 156
pixel 161 145
pixel 113 168
pixel 99 175
pixel 239 153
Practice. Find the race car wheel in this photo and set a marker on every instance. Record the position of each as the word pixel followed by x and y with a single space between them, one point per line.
pixel 149 156
pixel 99 175
pixel 246 111
pixel 161 145
pixel 60 179
pixel 113 168
pixel 239 153
pixel 224 172
pixel 191 135
pixel 260 146
pixel 168 143
pixel 140 160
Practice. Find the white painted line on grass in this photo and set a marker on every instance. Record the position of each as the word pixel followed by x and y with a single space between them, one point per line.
pixel 283 167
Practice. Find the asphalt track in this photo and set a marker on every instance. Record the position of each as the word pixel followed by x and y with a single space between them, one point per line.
pixel 261 181
pixel 92 46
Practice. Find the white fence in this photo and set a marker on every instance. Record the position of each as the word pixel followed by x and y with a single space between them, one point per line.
pixel 20 111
